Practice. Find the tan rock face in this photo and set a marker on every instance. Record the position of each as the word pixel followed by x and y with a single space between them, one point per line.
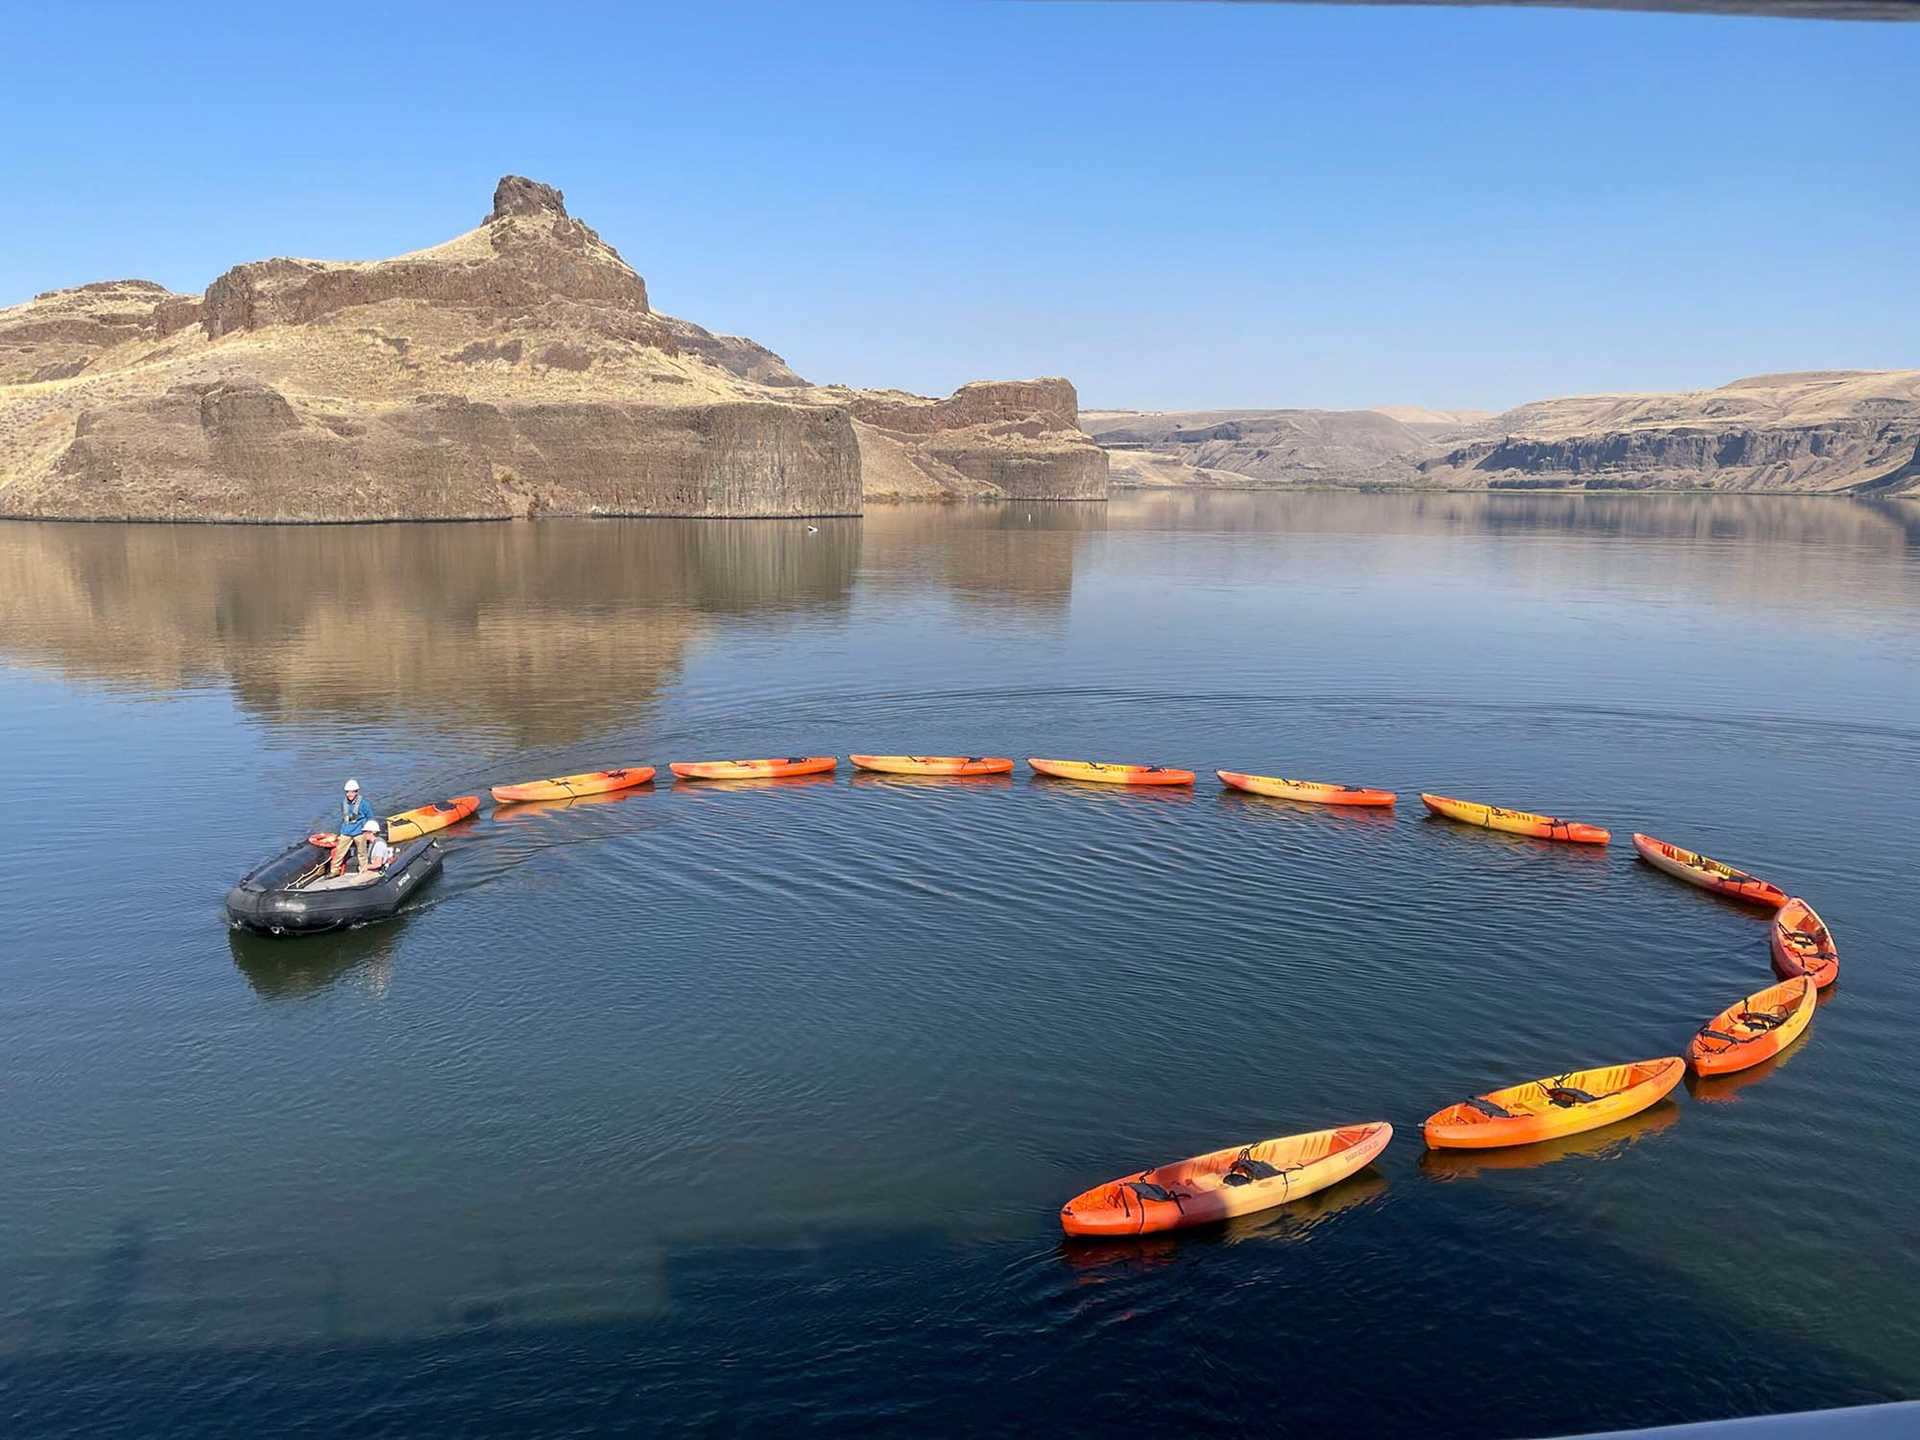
pixel 1015 438
pixel 59 334
pixel 518 369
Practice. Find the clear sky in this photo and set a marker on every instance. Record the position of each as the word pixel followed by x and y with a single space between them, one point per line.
pixel 1176 205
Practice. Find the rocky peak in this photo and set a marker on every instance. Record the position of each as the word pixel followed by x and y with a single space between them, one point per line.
pixel 517 195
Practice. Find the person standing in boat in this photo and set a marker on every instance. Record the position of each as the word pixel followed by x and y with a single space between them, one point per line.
pixel 355 812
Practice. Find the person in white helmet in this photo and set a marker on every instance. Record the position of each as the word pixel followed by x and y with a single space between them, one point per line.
pixel 355 812
pixel 379 852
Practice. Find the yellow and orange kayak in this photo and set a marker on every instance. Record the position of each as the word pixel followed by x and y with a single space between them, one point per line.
pixel 1314 792
pixel 1802 944
pixel 752 769
pixel 934 764
pixel 1235 1181
pixel 1554 1105
pixel 412 824
pixel 1708 873
pixel 1754 1029
pixel 1101 774
pixel 1515 822
pixel 572 787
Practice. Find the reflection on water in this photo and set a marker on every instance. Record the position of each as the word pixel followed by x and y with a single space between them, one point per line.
pixel 529 810
pixel 1606 1143
pixel 717 1103
pixel 1724 1089
pixel 1095 1260
pixel 279 969
pixel 545 631
pixel 551 631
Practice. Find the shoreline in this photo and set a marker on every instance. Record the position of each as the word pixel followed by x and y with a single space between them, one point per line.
pixel 949 502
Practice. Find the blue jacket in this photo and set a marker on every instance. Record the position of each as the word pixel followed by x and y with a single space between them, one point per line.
pixel 354 815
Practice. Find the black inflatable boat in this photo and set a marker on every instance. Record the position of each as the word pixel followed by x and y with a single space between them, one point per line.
pixel 292 893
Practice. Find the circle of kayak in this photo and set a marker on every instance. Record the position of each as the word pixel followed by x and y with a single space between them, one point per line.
pixel 292 893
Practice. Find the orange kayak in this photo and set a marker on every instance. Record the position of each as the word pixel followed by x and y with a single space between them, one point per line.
pixel 412 824
pixel 1235 1181
pixel 1708 873
pixel 1554 1105
pixel 1098 773
pixel 1754 1029
pixel 1802 944
pixel 572 787
pixel 1515 822
pixel 752 769
pixel 933 764
pixel 1314 792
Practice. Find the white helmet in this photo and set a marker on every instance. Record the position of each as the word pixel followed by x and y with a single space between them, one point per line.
pixel 351 786
pixel 372 827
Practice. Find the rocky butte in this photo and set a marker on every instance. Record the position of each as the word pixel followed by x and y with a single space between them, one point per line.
pixel 516 370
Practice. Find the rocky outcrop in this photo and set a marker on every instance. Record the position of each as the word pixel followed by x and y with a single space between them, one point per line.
pixel 518 369
pixel 1808 431
pixel 444 457
pixel 60 334
pixel 983 402
pixel 1851 431
pixel 1015 438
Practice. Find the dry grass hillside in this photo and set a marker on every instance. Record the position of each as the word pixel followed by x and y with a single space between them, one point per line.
pixel 516 369
pixel 1839 431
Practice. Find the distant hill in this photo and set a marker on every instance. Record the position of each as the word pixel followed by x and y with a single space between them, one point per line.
pixel 517 369
pixel 1842 431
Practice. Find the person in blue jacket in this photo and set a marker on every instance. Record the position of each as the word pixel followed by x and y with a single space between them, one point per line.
pixel 355 812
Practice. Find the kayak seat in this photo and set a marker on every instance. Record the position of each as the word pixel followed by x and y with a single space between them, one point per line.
pixel 1246 1170
pixel 1719 1035
pixel 1758 1021
pixel 1489 1109
pixel 1147 1190
pixel 1567 1096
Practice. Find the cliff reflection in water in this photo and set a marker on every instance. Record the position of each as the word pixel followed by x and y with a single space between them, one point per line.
pixel 551 632
pixel 1793 551
pixel 1019 554
pixel 456 626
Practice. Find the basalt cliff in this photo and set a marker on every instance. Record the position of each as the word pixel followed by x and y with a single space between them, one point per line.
pixel 516 370
pixel 1826 431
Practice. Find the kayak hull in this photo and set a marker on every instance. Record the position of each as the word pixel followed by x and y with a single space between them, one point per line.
pixel 264 902
pixel 1197 1191
pixel 1708 873
pixel 1802 944
pixel 1532 1115
pixel 956 765
pixel 1754 1029
pixel 1312 792
pixel 572 787
pixel 1096 772
pixel 412 824
pixel 753 769
pixel 1515 822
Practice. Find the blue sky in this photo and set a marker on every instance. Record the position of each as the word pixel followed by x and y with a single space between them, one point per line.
pixel 1174 204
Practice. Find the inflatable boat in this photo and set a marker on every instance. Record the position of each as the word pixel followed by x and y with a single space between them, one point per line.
pixel 293 894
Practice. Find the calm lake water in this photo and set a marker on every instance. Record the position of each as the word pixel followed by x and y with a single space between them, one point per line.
pixel 733 1107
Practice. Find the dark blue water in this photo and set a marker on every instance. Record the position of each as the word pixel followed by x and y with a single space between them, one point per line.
pixel 716 1109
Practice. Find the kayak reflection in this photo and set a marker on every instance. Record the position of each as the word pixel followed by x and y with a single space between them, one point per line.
pixel 1603 1144
pixel 1722 1089
pixel 868 779
pixel 1372 817
pixel 533 809
pixel 1093 1260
